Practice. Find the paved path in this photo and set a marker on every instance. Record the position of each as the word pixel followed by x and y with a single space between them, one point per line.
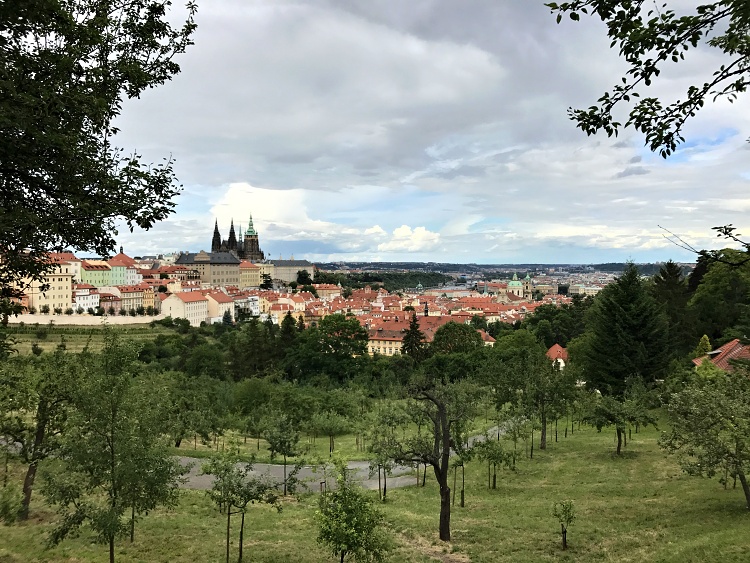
pixel 308 475
pixel 401 475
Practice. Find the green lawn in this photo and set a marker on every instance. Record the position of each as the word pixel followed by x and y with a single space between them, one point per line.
pixel 638 507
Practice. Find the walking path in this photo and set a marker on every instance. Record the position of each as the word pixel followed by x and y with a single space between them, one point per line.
pixel 311 477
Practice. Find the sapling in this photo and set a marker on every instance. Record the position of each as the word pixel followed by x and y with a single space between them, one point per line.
pixel 564 511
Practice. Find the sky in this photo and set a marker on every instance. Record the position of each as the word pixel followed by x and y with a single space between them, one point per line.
pixel 427 130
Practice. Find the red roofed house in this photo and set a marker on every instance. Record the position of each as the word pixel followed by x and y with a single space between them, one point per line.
pixel 190 305
pixel 558 354
pixel 721 357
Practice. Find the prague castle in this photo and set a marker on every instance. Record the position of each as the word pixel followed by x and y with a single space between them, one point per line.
pixel 244 247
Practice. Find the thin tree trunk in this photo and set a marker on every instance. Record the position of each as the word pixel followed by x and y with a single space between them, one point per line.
pixel 284 475
pixel 424 476
pixel 242 533
pixel 555 430
pixel 543 433
pixel 531 455
pixel 445 513
pixel 564 536
pixel 455 475
pixel 343 554
pixel 380 489
pixel 385 483
pixel 229 516
pixel 28 486
pixel 39 435
pixel 132 523
pixel 463 483
pixel 112 549
pixel 745 486
pixel 619 440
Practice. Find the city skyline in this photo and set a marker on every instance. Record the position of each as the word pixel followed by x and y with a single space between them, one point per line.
pixel 428 131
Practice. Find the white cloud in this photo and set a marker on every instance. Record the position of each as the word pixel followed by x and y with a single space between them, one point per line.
pixel 405 239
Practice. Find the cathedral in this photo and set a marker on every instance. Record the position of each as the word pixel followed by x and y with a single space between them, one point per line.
pixel 243 247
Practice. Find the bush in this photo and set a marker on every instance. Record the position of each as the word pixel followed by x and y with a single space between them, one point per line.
pixel 69 311
pixel 32 310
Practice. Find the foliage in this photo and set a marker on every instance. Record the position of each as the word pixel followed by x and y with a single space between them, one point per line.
pixel 649 37
pixel 703 347
pixel 453 337
pixel 711 427
pixel 413 344
pixel 564 513
pixel 349 524
pixel 114 457
pixel 626 336
pixel 66 68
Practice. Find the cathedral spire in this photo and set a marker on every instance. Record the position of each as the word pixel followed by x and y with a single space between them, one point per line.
pixel 216 240
pixel 250 228
pixel 232 242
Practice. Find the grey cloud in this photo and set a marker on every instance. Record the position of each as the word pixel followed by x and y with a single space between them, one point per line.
pixel 635 159
pixel 632 171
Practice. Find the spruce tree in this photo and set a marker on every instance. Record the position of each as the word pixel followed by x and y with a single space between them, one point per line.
pixel 627 336
pixel 413 344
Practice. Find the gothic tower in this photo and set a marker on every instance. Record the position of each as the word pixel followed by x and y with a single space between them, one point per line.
pixel 216 240
pixel 232 242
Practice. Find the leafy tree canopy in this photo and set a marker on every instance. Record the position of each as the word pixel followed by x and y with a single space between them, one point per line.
pixel 65 69
pixel 649 36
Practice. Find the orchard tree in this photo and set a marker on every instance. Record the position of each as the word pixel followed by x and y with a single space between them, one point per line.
pixel 283 438
pixel 711 426
pixel 349 524
pixel 649 37
pixel 447 399
pixel 66 68
pixel 114 460
pixel 34 403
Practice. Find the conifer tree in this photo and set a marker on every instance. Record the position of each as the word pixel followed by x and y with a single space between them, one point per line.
pixel 413 344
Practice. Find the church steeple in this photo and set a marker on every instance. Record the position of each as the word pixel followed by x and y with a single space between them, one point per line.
pixel 216 240
pixel 250 229
pixel 232 242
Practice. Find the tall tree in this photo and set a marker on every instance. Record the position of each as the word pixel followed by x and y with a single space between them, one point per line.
pixel 65 69
pixel 413 344
pixel 670 292
pixel 453 337
pixel 626 336
pixel 650 36
pixel 114 459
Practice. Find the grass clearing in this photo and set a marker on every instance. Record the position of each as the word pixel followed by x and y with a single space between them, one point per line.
pixel 635 508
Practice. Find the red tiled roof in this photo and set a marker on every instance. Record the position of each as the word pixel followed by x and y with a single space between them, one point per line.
pixel 722 356
pixel 557 352
pixel 190 296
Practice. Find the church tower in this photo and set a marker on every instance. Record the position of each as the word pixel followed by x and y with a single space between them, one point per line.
pixel 251 246
pixel 216 240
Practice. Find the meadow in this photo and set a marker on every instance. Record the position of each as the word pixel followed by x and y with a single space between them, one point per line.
pixel 637 507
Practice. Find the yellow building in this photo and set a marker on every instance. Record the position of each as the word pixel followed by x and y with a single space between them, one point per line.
pixel 249 275
pixel 59 293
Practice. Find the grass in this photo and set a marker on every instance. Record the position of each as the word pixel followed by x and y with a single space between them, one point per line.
pixel 637 507
pixel 76 337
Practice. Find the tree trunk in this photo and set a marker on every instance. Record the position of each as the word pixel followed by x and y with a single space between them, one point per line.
pixel 385 484
pixel 177 442
pixel 445 513
pixel 455 476
pixel 229 516
pixel 424 476
pixel 285 475
pixel 564 536
pixel 463 483
pixel 619 440
pixel 343 554
pixel 111 549
pixel 132 523
pixel 745 487
pixel 28 485
pixel 494 475
pixel 242 533
pixel 380 488
pixel 543 433
pixel 531 454
pixel 40 432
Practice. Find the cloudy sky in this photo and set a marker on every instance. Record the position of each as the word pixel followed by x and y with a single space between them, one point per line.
pixel 427 130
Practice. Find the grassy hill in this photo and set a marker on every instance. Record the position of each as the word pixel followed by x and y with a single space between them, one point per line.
pixel 635 508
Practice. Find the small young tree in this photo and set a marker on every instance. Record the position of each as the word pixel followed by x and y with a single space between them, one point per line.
pixel 282 438
pixel 349 524
pixel 564 511
pixel 235 486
